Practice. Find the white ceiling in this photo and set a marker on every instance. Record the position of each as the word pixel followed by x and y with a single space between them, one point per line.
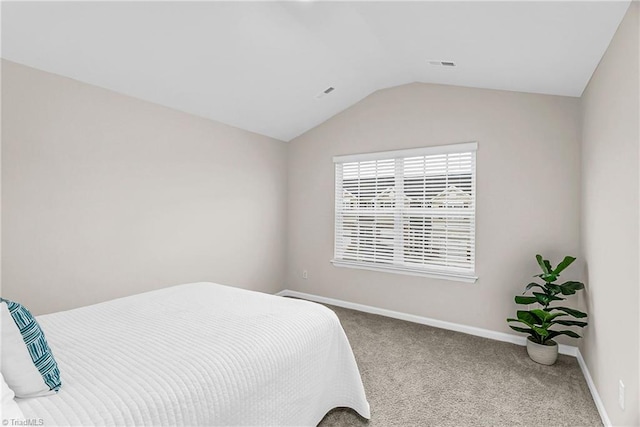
pixel 259 66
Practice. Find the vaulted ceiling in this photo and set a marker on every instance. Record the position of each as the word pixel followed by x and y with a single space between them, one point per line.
pixel 260 66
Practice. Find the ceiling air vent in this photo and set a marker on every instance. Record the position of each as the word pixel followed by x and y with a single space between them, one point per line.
pixel 443 63
pixel 327 91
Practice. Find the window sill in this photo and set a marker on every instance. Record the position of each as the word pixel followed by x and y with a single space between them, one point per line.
pixel 434 274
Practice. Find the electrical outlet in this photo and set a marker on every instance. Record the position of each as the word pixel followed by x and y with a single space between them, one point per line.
pixel 621 394
pixel 305 274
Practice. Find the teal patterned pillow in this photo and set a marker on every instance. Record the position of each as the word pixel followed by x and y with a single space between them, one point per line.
pixel 28 365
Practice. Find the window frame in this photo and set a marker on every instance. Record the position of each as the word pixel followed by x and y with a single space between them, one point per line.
pixel 432 271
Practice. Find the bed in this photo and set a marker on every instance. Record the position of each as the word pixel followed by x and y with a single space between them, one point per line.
pixel 198 354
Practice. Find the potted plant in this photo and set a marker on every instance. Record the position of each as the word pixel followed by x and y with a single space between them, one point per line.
pixel 540 344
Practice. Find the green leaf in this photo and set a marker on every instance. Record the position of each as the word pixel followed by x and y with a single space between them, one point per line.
pixel 524 330
pixel 526 300
pixel 543 332
pixel 554 315
pixel 542 264
pixel 553 334
pixel 570 288
pixel 570 311
pixel 527 318
pixel 545 299
pixel 544 316
pixel 570 323
pixel 531 285
pixel 553 289
pixel 534 335
pixel 548 278
pixel 566 262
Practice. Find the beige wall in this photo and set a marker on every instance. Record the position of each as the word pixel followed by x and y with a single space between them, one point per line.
pixel 104 195
pixel 527 195
pixel 610 220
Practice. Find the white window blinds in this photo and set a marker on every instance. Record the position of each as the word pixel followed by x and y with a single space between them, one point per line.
pixel 409 211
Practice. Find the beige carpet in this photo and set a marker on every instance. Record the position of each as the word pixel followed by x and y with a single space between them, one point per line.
pixel 416 375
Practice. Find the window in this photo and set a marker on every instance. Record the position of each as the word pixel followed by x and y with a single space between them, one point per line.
pixel 408 211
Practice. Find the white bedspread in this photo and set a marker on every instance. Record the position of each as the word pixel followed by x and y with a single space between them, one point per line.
pixel 198 354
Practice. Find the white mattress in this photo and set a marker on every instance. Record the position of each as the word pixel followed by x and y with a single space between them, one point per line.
pixel 198 354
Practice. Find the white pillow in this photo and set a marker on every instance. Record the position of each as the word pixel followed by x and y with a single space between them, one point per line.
pixel 9 408
pixel 27 363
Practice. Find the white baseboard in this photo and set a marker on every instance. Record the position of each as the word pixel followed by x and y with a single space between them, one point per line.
pixel 471 330
pixel 594 391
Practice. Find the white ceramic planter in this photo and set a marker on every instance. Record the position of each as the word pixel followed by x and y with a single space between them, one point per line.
pixel 543 354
